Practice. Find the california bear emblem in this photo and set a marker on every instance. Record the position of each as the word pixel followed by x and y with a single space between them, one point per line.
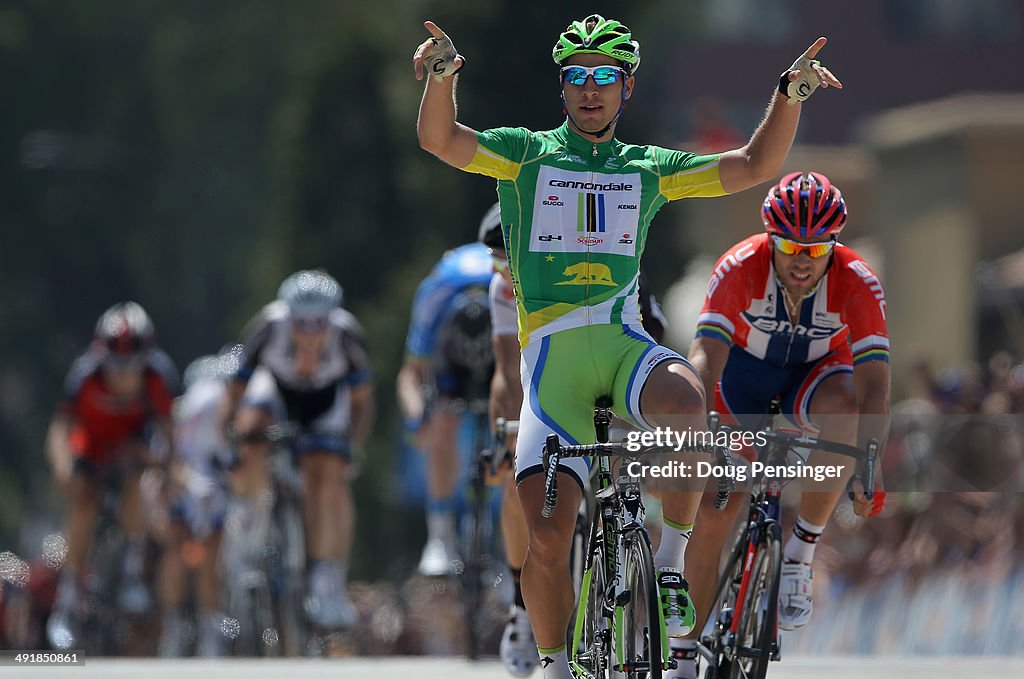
pixel 588 273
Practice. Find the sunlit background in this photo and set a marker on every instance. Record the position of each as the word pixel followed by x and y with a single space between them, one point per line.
pixel 190 155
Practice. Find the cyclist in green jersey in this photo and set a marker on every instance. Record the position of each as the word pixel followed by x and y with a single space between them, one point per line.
pixel 576 204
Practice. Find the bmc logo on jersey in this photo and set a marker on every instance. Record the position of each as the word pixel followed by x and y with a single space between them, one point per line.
pixel 728 263
pixel 871 280
pixel 777 326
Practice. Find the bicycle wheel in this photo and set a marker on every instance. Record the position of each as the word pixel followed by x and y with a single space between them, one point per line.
pixel 716 636
pixel 641 627
pixel 100 628
pixel 591 637
pixel 474 566
pixel 251 608
pixel 755 638
pixel 578 549
pixel 293 624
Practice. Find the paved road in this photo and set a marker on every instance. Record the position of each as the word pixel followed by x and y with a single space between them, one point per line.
pixel 448 668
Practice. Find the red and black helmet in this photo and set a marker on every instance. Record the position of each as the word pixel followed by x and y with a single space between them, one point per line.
pixel 125 329
pixel 804 205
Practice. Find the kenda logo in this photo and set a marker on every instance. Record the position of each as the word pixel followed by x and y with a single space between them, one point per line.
pixel 627 207
pixel 773 325
pixel 590 186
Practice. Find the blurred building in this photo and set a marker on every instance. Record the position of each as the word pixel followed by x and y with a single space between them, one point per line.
pixel 933 196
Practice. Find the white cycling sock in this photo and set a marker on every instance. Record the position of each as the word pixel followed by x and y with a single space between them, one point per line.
pixel 672 550
pixel 554 662
pixel 801 544
pixel 685 653
pixel 440 525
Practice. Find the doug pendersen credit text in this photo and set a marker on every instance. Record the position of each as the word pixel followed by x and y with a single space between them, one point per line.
pixel 672 439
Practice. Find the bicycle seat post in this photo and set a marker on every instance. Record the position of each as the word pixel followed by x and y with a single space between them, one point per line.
pixel 602 418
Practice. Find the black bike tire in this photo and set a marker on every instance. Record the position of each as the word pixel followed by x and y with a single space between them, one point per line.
pixel 478 548
pixel 725 599
pixel 101 627
pixel 267 647
pixel 595 614
pixel 764 585
pixel 292 623
pixel 643 586
pixel 578 548
pixel 473 570
pixel 247 643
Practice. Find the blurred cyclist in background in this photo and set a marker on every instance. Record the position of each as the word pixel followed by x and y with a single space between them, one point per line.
pixel 198 514
pixel 305 362
pixel 447 370
pixel 117 399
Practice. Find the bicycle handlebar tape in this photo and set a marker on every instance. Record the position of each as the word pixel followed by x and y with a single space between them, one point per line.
pixel 551 450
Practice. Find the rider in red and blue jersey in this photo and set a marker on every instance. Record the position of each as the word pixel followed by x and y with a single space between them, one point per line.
pixel 794 313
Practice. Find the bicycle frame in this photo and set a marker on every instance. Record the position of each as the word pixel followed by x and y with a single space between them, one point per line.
pixel 722 634
pixel 618 513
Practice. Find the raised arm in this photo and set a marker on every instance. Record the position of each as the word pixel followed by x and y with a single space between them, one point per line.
pixel 763 156
pixel 437 128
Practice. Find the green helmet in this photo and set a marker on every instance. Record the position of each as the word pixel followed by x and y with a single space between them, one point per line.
pixel 597 35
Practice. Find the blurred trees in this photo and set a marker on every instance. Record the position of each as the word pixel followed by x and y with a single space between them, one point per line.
pixel 190 155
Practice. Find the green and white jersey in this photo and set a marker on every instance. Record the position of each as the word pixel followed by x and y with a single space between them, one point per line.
pixel 575 216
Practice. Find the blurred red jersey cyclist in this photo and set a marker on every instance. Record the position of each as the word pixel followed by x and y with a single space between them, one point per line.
pixel 118 394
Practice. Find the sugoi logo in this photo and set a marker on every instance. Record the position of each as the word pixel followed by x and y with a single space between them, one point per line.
pixel 626 239
pixel 552 201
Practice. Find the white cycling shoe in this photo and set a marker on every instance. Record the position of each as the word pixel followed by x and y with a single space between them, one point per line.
pixel 673 591
pixel 518 650
pixel 328 606
pixel 437 559
pixel 62 630
pixel 795 589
